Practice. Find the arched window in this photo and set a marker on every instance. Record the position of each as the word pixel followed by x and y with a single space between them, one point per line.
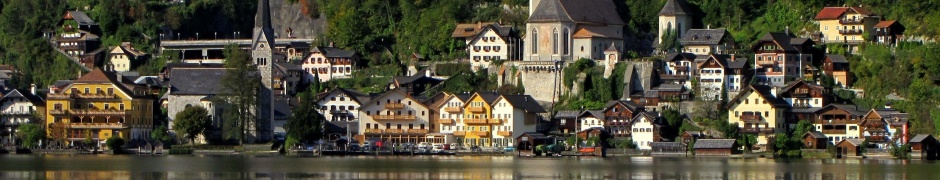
pixel 565 42
pixel 535 41
pixel 554 41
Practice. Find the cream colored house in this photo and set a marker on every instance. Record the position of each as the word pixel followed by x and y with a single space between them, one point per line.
pixel 757 111
pixel 125 58
pixel 845 24
pixel 487 42
pixel 393 117
pixel 707 41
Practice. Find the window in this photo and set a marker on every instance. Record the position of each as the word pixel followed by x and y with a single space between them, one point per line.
pixel 87 90
pixel 565 43
pixel 107 106
pixel 554 41
pixel 535 40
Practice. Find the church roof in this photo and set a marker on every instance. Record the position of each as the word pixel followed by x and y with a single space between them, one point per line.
pixel 595 31
pixel 674 7
pixel 263 24
pixel 578 11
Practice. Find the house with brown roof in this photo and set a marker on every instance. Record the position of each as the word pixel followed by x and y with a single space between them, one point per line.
pixel 567 30
pixel 125 57
pixel 757 110
pixel 888 32
pixel 779 58
pixel 77 34
pixel 328 63
pixel 885 126
pixel 839 121
pixel 487 42
pixel 845 24
pixel 837 67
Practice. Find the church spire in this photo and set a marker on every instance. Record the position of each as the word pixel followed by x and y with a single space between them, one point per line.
pixel 263 31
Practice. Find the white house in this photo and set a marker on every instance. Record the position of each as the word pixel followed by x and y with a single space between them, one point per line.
pixel 17 108
pixel 340 107
pixel 590 119
pixel 327 63
pixel 679 68
pixel 707 41
pixel 487 42
pixel 394 117
pixel 645 130
pixel 517 114
pixel 451 115
pixel 125 58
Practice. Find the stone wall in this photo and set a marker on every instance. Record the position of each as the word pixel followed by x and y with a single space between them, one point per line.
pixel 177 103
pixel 539 80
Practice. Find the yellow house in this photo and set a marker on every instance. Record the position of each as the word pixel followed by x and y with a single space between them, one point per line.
pixel 477 119
pixel 845 24
pixel 757 111
pixel 99 105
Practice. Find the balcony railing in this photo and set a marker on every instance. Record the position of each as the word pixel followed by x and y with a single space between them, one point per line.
pixel 394 117
pixel 800 95
pixel 494 121
pixel 95 96
pixel 833 131
pixel 460 133
pixel 751 118
pixel 474 121
pixel 339 112
pixel 417 131
pixel 445 121
pixel 481 133
pixel 876 138
pixel 850 31
pixel 452 109
pixel 90 112
pixel 97 125
pixel 57 112
pixel 835 121
pixel 757 130
pixel 476 109
pixel 394 106
pixel 16 113
pixel 504 133
pixel 374 131
pixel 58 96
pixel 850 21
pixel 394 131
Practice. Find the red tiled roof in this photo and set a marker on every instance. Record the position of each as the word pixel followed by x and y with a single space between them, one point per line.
pixel 884 24
pixel 95 76
pixel 835 12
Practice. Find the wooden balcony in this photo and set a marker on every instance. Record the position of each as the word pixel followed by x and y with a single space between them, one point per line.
pixel 504 133
pixel 57 112
pixel 494 121
pixel 417 131
pixel 374 131
pixel 757 130
pixel 876 138
pixel 474 121
pixel 476 109
pixel 97 125
pixel 833 131
pixel 460 133
pixel 445 121
pixel 850 21
pixel 93 112
pixel 394 106
pixel 481 133
pixel 751 118
pixel 850 31
pixel 394 118
pixel 58 96
pixel 453 109
pixel 835 121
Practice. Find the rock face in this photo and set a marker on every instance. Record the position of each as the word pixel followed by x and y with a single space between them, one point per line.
pixel 286 16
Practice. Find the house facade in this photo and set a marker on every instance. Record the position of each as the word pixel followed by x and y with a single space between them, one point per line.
pixel 19 107
pixel 679 68
pixel 478 120
pixel 706 42
pixel 779 57
pixel 837 67
pixel 451 116
pixel 196 85
pixel 885 126
pixel 618 115
pixel 99 105
pixel 77 34
pixel 393 117
pixel 845 24
pixel 839 121
pixel 341 108
pixel 125 58
pixel 515 115
pixel 567 30
pixel 590 119
pixel 675 16
pixel 487 42
pixel 889 32
pixel 326 63
pixel 645 129
pixel 757 111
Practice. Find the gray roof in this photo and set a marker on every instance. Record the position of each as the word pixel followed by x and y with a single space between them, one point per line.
pixel 816 134
pixel 16 93
pixel 82 18
pixel 680 56
pixel 196 81
pixel 714 143
pixel 738 63
pixel 288 66
pixel 629 104
pixel 578 11
pixel 837 58
pixel 567 114
pixel 666 145
pixel 704 37
pixel 332 52
pixel 851 108
pixel 920 138
pixel 805 110
pixel 359 97
pixel 524 102
pixel 786 41
pixel 854 141
pixel 674 7
pixel 596 113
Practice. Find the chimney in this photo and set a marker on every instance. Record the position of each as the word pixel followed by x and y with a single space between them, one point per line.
pixel 32 89
pixel 331 44
pixel 888 105
pixel 427 73
pixel 708 26
pixel 732 57
pixel 120 77
pixel 787 30
pixel 479 25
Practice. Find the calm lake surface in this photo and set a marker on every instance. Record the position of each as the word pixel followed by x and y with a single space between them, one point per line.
pixel 451 167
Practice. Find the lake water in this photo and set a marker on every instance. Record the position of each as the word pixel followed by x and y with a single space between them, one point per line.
pixel 451 167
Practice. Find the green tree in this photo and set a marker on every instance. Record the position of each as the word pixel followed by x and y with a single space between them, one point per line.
pixel 240 90
pixel 305 122
pixel 160 134
pixel 114 144
pixel 191 122
pixel 30 134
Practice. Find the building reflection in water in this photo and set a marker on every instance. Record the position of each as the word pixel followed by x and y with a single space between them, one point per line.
pixel 467 167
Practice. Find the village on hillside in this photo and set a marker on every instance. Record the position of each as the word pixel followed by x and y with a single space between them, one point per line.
pixel 566 82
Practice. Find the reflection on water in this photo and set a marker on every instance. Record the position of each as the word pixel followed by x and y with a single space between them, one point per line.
pixel 450 167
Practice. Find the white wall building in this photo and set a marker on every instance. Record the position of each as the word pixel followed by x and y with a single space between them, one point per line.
pixel 125 58
pixel 327 63
pixel 517 114
pixel 17 108
pixel 394 117
pixel 340 107
pixel 645 130
pixel 487 42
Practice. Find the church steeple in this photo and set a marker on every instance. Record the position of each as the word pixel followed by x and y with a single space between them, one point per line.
pixel 263 31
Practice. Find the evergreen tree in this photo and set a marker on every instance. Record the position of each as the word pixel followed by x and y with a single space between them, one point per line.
pixel 240 90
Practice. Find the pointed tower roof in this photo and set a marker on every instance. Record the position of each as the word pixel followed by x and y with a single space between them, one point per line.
pixel 263 24
pixel 674 7
pixel 612 48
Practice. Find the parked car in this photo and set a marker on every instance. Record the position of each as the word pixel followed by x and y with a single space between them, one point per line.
pixel 437 148
pixel 453 146
pixel 476 149
pixel 354 147
pixel 509 149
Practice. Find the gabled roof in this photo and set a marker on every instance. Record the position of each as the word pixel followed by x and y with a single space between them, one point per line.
pixel 715 144
pixel 152 81
pixel 81 18
pixel 674 7
pixel 738 63
pixel 851 108
pixel 652 116
pixel 782 40
pixel 763 91
pixel 828 13
pixel 567 114
pixel 797 83
pixel 721 60
pixel 595 32
pixel 836 58
pixel 524 102
pixel 332 52
pixel 602 12
pixel 16 93
pixel 98 76
pixel 853 141
pixel 632 106
pixel 884 24
pixel 704 37
pixel 394 91
pixel 920 138
pixel 469 30
pixel 596 113
pixel 680 56
pixel 488 97
pixel 357 96
pixel 612 48
pixel 816 135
